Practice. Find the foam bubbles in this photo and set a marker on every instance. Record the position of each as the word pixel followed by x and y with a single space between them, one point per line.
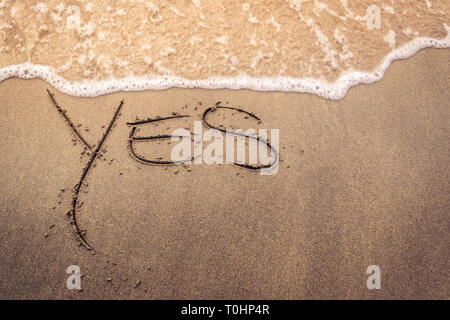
pixel 333 91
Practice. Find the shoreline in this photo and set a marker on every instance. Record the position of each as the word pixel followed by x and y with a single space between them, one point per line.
pixel 332 91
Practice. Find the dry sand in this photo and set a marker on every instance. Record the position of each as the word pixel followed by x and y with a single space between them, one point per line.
pixel 364 180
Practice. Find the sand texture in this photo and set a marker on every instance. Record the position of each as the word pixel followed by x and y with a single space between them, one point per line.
pixel 363 180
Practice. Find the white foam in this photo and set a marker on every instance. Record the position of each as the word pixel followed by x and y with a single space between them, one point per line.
pixel 332 91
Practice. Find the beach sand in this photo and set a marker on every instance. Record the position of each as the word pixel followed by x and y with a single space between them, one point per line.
pixel 363 181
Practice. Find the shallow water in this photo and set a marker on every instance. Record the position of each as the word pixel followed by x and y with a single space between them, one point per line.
pixel 89 48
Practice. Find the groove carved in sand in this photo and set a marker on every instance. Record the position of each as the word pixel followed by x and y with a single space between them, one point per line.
pixel 94 155
pixel 133 138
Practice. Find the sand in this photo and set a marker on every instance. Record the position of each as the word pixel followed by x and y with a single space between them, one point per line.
pixel 363 180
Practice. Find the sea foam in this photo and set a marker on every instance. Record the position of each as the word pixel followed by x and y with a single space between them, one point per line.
pixel 333 91
pixel 290 46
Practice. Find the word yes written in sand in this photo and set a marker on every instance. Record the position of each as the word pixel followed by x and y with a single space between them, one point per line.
pixel 268 169
pixel 258 144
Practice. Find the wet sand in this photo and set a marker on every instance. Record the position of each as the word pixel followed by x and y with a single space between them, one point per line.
pixel 363 180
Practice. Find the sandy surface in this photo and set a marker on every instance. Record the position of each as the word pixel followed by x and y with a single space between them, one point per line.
pixel 362 181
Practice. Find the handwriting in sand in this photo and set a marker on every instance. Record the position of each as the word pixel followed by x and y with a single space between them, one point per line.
pixel 95 153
